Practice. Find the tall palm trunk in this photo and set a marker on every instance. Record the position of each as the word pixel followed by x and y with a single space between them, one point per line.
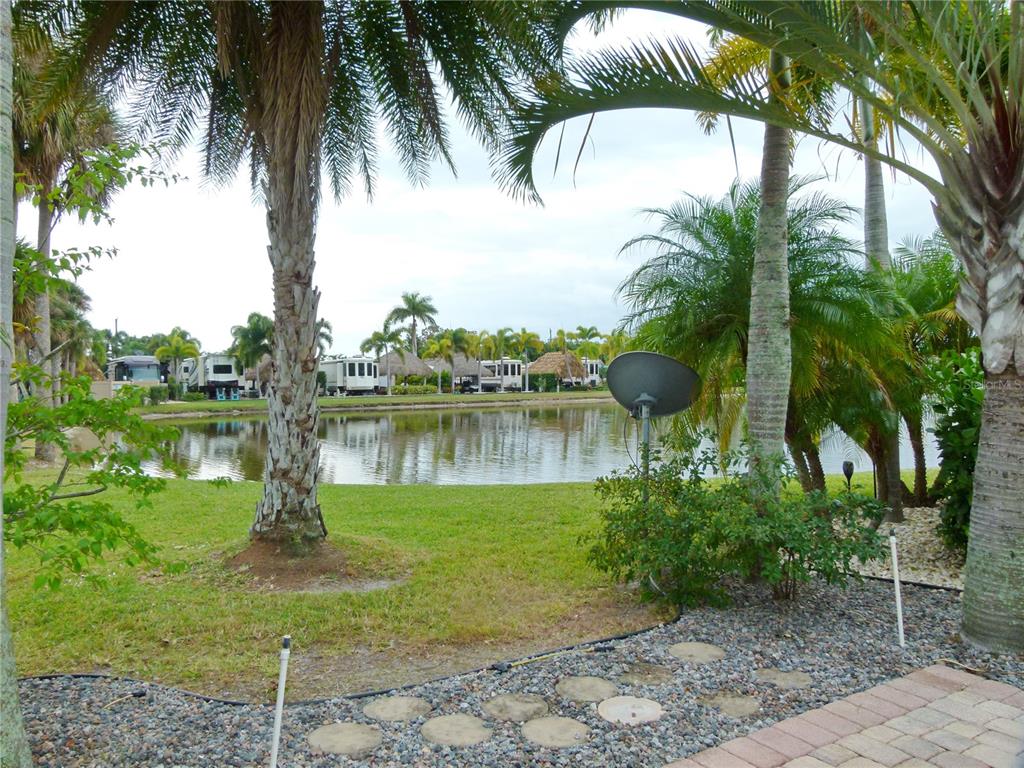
pixel 41 332
pixel 915 430
pixel 994 576
pixel 769 350
pixel 293 96
pixel 14 749
pixel 387 356
pixel 412 339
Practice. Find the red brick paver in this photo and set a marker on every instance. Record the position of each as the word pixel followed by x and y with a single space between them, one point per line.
pixel 937 717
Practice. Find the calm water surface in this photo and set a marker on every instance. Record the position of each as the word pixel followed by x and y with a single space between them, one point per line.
pixel 473 447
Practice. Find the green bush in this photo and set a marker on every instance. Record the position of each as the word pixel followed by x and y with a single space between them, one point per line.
pixel 158 394
pixel 194 397
pixel 418 389
pixel 690 534
pixel 957 382
pixel 543 382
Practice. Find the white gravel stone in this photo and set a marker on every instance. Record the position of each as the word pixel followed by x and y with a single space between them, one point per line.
pixel 630 710
pixel 350 739
pixel 555 732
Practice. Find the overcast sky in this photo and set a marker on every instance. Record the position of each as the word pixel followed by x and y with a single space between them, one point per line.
pixel 195 256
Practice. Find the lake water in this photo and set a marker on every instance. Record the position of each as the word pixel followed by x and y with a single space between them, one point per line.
pixel 474 447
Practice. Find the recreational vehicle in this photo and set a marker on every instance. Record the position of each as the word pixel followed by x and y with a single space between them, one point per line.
pixel 140 370
pixel 351 375
pixel 505 374
pixel 214 375
pixel 592 372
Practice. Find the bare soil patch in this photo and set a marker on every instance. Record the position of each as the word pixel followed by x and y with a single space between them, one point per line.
pixel 325 568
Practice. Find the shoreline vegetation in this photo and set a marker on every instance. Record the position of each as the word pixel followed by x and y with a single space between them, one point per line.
pixel 423 581
pixel 206 408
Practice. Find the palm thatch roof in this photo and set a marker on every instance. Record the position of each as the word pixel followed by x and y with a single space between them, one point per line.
pixel 403 365
pixel 565 365
pixel 464 366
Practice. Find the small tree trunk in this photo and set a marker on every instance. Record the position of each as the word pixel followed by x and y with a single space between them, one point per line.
pixel 994 575
pixel 803 474
pixel 289 511
pixel 915 429
pixel 41 333
pixel 413 341
pixel 893 479
pixel 768 354
pixel 814 464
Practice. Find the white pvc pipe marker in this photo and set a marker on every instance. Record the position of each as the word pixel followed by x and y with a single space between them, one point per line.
pixel 896 586
pixel 286 643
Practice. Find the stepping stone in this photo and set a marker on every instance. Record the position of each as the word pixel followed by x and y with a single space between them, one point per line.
pixel 517 707
pixel 697 653
pixel 351 739
pixel 398 709
pixel 455 730
pixel 555 732
pixel 782 679
pixel 733 704
pixel 586 688
pixel 642 673
pixel 629 710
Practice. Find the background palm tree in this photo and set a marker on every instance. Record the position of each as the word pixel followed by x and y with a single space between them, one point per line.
pixel 176 349
pixel 414 308
pixel 252 342
pixel 290 87
pixel 324 336
pixel 972 131
pixel 381 342
pixel 524 342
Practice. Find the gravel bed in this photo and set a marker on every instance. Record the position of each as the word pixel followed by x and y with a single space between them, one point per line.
pixel 922 555
pixel 843 639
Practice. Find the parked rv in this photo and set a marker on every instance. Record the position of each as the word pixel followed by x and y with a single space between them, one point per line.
pixel 140 370
pixel 505 374
pixel 213 374
pixel 350 375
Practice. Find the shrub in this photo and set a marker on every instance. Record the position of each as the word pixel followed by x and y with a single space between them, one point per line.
pixel 691 533
pixel 543 382
pixel 958 385
pixel 158 394
pixel 419 389
pixel 194 397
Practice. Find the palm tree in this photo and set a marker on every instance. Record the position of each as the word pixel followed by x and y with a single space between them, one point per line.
pixel 952 78
pixel 439 348
pixel 414 307
pixel 523 342
pixel 176 349
pixel 252 342
pixel 290 87
pixel 500 342
pixel 324 337
pixel 380 342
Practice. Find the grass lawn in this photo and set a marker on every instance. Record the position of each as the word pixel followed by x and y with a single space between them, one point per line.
pixel 383 401
pixel 482 573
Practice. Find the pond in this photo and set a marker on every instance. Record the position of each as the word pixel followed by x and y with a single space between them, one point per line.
pixel 546 444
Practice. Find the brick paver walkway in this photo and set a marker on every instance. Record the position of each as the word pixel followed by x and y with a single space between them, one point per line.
pixel 937 717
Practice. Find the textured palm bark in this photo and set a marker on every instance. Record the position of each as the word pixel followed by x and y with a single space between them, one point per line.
pixel 803 474
pixel 814 464
pixel 293 94
pixel 41 332
pixel 915 430
pixel 768 352
pixel 14 749
pixel 994 575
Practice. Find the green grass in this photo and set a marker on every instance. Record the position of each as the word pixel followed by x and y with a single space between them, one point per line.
pixel 381 401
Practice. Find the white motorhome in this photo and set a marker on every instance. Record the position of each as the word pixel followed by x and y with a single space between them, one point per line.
pixel 138 370
pixel 592 372
pixel 356 375
pixel 214 374
pixel 505 374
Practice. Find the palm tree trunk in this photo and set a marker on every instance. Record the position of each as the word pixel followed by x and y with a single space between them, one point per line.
pixel 294 95
pixel 915 429
pixel 14 749
pixel 41 332
pixel 387 355
pixel 412 339
pixel 768 355
pixel 803 474
pixel 994 576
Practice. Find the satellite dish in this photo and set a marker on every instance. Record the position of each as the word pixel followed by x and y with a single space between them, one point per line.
pixel 646 378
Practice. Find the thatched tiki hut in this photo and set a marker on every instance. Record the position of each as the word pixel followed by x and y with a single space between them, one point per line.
pixel 565 366
pixel 466 369
pixel 401 365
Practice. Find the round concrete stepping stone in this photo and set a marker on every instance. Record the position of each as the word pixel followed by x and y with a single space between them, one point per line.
pixel 629 710
pixel 698 653
pixel 517 707
pixel 455 730
pixel 398 709
pixel 555 732
pixel 586 688
pixel 733 704
pixel 350 739
pixel 643 673
pixel 788 680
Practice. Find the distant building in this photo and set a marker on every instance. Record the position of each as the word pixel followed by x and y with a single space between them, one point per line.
pixel 567 368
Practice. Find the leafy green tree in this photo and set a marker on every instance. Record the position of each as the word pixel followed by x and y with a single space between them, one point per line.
pixel 252 342
pixel 291 87
pixel 952 78
pixel 414 308
pixel 524 342
pixel 381 343
pixel 324 336
pixel 176 349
